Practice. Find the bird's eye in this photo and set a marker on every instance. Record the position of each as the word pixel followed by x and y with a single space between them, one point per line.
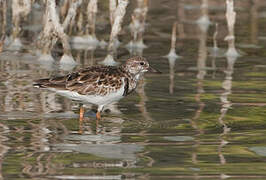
pixel 141 63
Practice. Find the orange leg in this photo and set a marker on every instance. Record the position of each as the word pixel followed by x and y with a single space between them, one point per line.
pixel 81 114
pixel 81 118
pixel 98 115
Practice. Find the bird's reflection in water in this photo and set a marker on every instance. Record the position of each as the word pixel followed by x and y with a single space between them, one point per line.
pixel 106 145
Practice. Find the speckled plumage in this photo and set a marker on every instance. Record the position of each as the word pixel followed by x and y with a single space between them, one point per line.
pixel 97 82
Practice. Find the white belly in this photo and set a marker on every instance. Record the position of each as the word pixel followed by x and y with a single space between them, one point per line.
pixel 98 100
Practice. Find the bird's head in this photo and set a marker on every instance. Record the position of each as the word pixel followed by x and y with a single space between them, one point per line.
pixel 136 65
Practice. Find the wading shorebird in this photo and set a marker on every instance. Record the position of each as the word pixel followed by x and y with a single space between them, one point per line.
pixel 99 85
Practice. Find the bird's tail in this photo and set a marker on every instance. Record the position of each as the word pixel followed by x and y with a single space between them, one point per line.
pixel 41 83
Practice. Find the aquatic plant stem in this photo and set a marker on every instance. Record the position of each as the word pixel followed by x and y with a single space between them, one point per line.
pixel 91 13
pixel 54 30
pixel 4 10
pixel 119 15
pixel 230 18
pixel 116 27
pixel 20 9
pixel 3 30
pixel 72 11
pixel 112 8
pixel 173 39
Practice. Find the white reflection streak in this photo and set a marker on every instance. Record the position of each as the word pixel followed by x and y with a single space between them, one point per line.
pixel 201 63
pixel 201 66
pixel 171 74
pixel 226 104
pixel 172 56
pixel 231 56
pixel 214 50
pixel 147 117
pixel 227 85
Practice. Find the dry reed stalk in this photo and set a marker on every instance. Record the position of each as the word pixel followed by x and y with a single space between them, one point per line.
pixel 53 30
pixel 204 20
pixel 112 8
pixel 80 23
pixel 137 26
pixel 64 8
pixel 143 6
pixel 180 14
pixel 215 46
pixel 3 30
pixel 72 11
pixel 202 52
pixel 116 28
pixel 91 13
pixel 172 53
pixel 68 13
pixel 173 39
pixel 20 9
pixel 49 35
pixel 119 15
pixel 230 18
pixel 172 56
pixel 231 56
pixel 4 10
pixel 86 39
pixel 214 51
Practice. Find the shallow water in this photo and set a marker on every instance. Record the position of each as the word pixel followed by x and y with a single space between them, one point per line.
pixel 203 118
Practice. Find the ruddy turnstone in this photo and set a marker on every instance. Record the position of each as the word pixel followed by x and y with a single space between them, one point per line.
pixel 99 85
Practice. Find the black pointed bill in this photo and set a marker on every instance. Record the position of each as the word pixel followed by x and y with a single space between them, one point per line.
pixel 153 70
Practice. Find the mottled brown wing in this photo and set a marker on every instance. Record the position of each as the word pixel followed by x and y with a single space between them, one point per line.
pixel 95 80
